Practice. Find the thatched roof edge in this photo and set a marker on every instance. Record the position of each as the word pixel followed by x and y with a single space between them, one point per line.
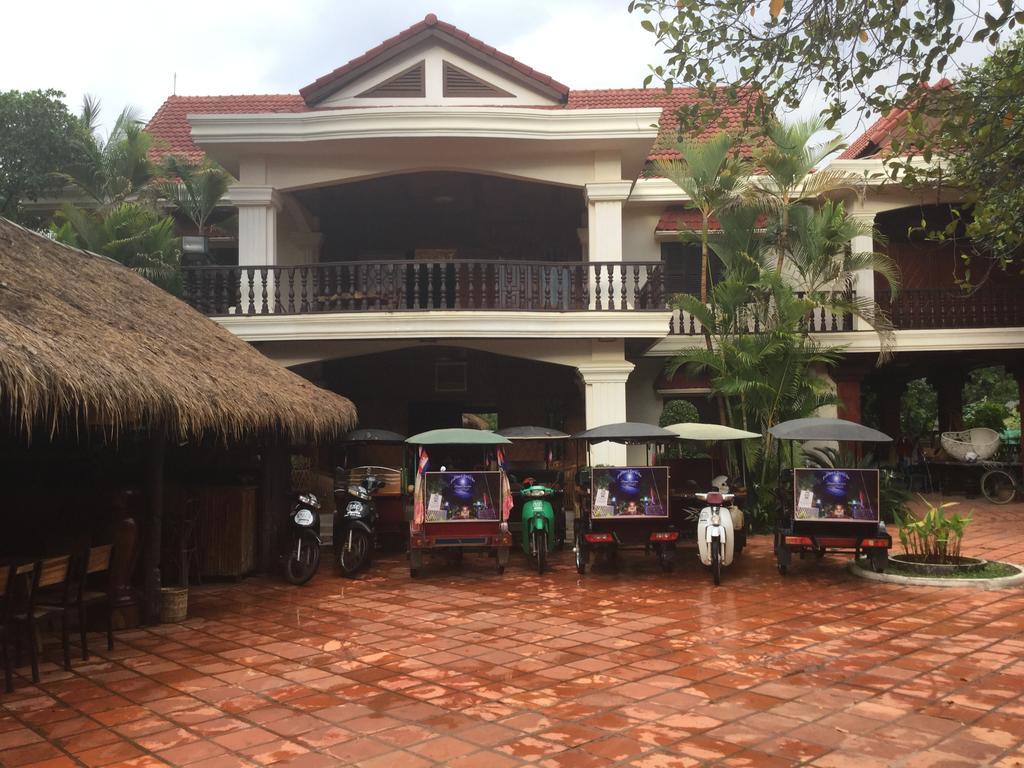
pixel 85 341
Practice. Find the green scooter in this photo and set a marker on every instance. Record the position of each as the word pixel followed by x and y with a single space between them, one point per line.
pixel 538 522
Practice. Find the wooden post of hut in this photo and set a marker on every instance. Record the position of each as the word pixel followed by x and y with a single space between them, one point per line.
pixel 275 485
pixel 151 558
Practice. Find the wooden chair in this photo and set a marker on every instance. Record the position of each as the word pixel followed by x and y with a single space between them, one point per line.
pixel 6 587
pixel 50 573
pixel 97 561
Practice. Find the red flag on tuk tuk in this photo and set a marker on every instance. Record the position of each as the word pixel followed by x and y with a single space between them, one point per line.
pixel 418 512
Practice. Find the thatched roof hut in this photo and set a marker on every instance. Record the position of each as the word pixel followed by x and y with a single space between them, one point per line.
pixel 84 340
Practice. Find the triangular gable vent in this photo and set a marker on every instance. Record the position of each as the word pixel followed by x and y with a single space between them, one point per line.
pixel 408 84
pixel 458 83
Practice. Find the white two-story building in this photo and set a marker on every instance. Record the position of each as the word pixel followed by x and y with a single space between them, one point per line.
pixel 435 229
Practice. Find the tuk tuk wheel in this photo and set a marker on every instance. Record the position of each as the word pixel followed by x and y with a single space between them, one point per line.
pixel 415 563
pixel 581 557
pixel 879 558
pixel 667 557
pixel 782 555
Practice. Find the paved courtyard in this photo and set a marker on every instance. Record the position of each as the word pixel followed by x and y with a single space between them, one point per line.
pixel 626 668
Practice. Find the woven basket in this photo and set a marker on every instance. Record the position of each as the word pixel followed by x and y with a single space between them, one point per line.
pixel 980 441
pixel 173 604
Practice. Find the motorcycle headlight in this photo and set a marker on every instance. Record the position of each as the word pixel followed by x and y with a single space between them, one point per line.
pixel 303 517
pixel 716 518
pixel 359 492
pixel 354 509
pixel 310 500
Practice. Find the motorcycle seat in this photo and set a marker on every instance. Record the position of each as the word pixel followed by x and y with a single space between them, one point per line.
pixel 715 499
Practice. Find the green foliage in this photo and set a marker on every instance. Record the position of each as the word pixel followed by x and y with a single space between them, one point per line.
pixel 760 359
pixel 38 138
pixel 713 178
pixel 115 173
pixel 933 537
pixel 762 55
pixel 678 412
pixel 986 413
pixel 193 190
pixel 868 56
pixel 109 170
pixel 131 233
pixel 992 383
pixel 976 132
pixel 919 409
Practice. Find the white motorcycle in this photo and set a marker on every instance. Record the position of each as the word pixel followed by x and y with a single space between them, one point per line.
pixel 715 536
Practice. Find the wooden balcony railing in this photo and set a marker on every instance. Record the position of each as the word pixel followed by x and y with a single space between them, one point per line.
pixel 398 286
pixel 820 320
pixel 938 308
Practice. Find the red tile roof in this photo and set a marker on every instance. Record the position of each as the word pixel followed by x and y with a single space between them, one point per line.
pixel 174 135
pixel 878 138
pixel 170 124
pixel 730 119
pixel 677 219
pixel 431 24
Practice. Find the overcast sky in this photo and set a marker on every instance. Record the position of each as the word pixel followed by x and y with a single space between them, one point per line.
pixel 127 52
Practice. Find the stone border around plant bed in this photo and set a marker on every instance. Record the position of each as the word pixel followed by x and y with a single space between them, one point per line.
pixel 1001 582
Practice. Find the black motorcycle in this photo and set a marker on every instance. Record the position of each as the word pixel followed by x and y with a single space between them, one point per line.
pixel 302 557
pixel 355 523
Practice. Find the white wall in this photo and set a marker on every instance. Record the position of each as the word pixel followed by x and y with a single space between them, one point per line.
pixel 638 243
pixel 643 404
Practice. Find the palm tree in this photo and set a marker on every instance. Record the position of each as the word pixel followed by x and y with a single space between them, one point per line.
pixel 115 173
pixel 822 262
pixel 713 178
pixel 113 168
pixel 193 190
pixel 790 178
pixel 132 233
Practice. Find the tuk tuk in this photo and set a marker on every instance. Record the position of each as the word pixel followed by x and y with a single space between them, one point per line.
pixel 624 508
pixel 832 509
pixel 537 518
pixel 379 453
pixel 458 510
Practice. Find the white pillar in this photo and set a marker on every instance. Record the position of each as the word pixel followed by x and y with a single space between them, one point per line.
pixel 257 237
pixel 604 238
pixel 864 279
pixel 604 385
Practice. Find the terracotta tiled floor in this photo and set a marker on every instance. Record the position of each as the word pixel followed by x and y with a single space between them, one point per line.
pixel 633 668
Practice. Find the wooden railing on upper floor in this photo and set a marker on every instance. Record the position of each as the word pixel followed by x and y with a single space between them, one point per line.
pixel 820 320
pixel 407 285
pixel 991 306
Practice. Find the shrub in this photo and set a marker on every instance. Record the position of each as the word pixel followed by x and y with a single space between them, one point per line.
pixel 933 537
pixel 677 412
pixel 986 413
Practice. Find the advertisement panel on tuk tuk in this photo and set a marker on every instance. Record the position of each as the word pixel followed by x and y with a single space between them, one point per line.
pixel 629 492
pixel 462 496
pixel 836 495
